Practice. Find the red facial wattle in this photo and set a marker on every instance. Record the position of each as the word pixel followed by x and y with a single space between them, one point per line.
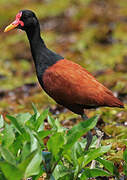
pixel 15 23
pixel 17 20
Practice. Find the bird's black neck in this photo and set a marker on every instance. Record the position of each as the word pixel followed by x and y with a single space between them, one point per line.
pixel 43 57
pixel 36 42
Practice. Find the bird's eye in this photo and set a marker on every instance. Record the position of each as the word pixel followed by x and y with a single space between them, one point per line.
pixel 25 17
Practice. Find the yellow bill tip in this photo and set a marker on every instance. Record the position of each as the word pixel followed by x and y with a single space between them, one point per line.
pixel 10 27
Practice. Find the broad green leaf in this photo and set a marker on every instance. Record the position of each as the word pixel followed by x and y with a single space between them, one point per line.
pixel 2 177
pixel 8 135
pixel 125 159
pixel 34 166
pixel 79 130
pixel 40 174
pixel 17 144
pixel 67 177
pixel 43 134
pixel 7 155
pixel 78 149
pixel 125 169
pixel 77 168
pixel 125 155
pixel 41 119
pixel 34 143
pixel 1 121
pixel 26 150
pixel 75 153
pixel 25 163
pixel 89 173
pixel 109 165
pixel 39 140
pixel 31 122
pixel 58 126
pixel 33 140
pixel 15 123
pixel 60 171
pixel 10 171
pixel 83 176
pixel 93 154
pixel 23 118
pixel 55 143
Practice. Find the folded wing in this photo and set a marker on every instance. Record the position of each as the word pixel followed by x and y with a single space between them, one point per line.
pixel 70 84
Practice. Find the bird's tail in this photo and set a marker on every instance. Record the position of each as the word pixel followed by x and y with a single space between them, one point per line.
pixel 112 101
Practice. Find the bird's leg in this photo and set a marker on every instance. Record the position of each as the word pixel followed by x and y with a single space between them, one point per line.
pixel 99 135
pixel 89 136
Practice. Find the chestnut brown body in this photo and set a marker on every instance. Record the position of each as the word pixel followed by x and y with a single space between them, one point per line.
pixel 71 85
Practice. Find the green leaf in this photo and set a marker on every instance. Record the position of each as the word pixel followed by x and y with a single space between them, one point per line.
pixel 26 162
pixel 58 126
pixel 55 143
pixel 10 171
pixel 83 176
pixel 15 123
pixel 125 169
pixel 34 142
pixel 39 140
pixel 41 119
pixel 26 150
pixel 60 171
pixel 68 177
pixel 51 121
pixel 75 153
pixel 1 121
pixel 37 177
pixel 7 155
pixel 8 135
pixel 109 165
pixel 37 114
pixel 2 177
pixel 43 134
pixel 125 155
pixel 34 166
pixel 23 118
pixel 79 130
pixel 93 154
pixel 31 122
pixel 125 159
pixel 17 144
pixel 89 173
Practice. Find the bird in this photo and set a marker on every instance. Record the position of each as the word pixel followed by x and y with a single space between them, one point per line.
pixel 68 83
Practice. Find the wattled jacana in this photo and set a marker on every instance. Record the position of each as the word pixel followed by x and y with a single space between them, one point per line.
pixel 66 82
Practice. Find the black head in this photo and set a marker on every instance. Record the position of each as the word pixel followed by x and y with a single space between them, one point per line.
pixel 29 19
pixel 25 19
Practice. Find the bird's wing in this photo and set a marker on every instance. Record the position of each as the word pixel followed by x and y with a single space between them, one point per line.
pixel 69 83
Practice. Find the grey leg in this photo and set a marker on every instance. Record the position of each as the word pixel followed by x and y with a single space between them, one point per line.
pixel 89 139
pixel 89 136
pixel 99 135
